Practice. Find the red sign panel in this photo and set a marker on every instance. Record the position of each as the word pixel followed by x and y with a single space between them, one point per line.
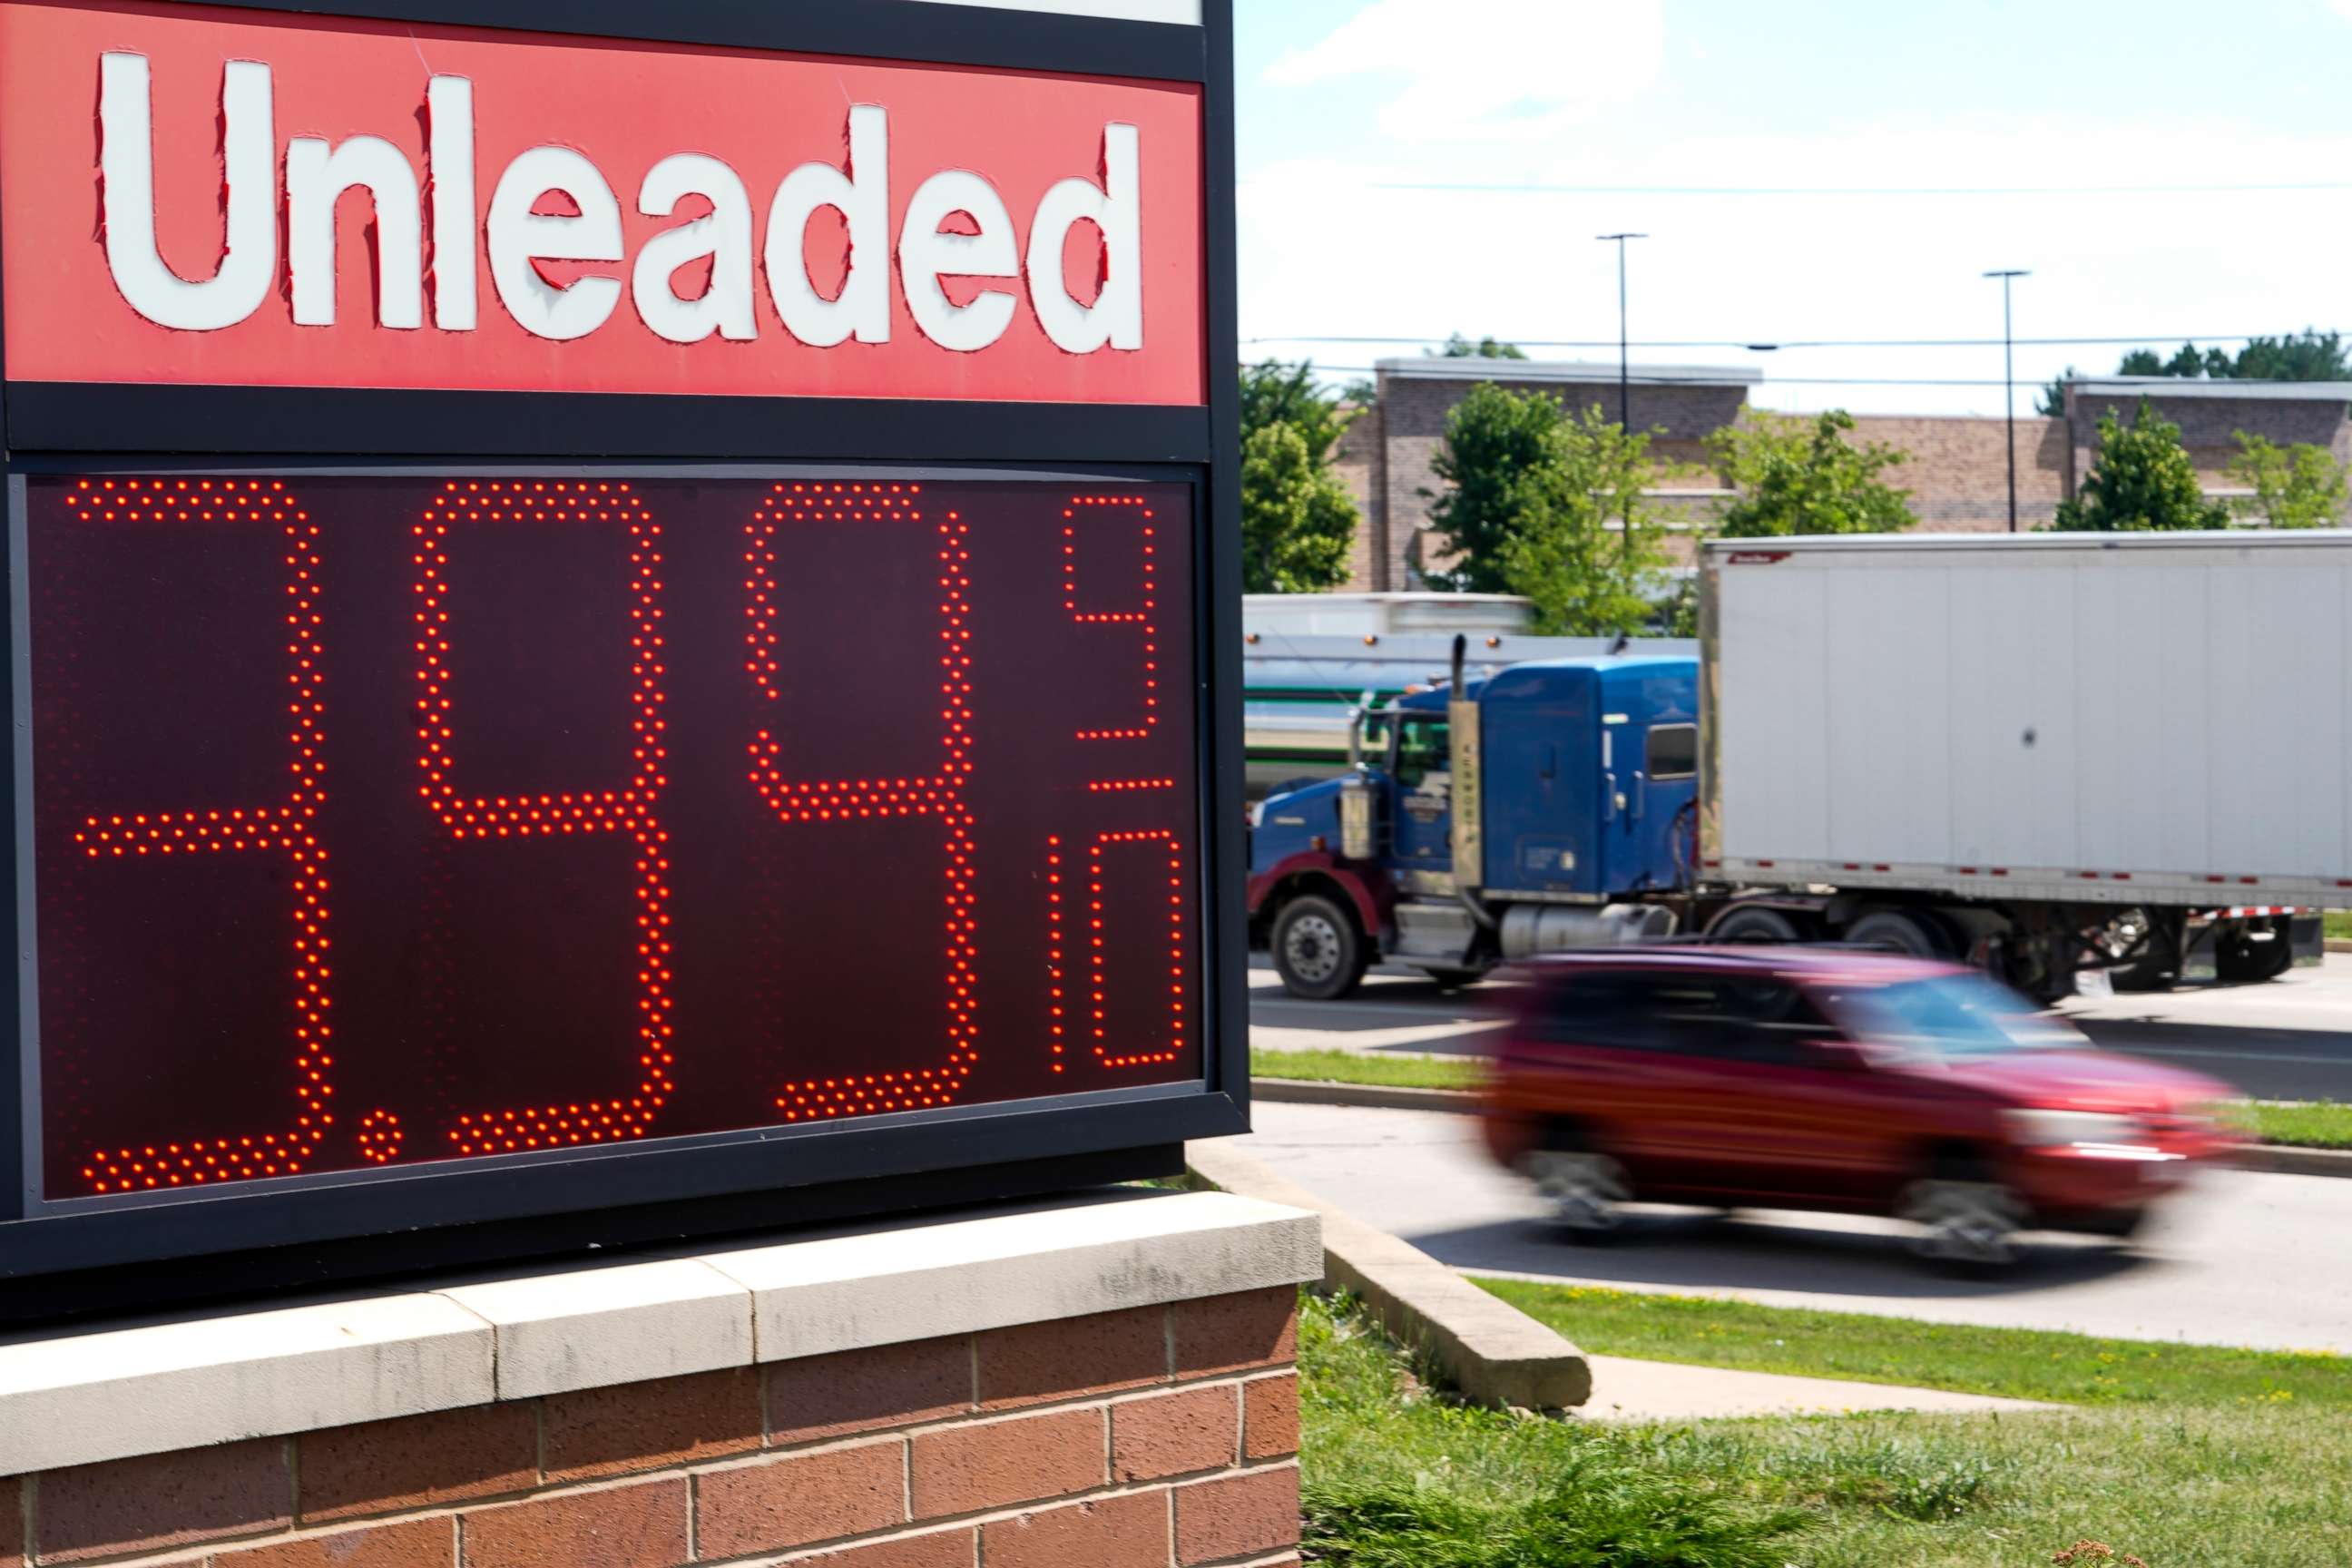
pixel 260 200
pixel 385 821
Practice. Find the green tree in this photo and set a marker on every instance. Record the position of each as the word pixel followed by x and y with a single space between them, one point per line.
pixel 1492 437
pixel 2297 485
pixel 1459 347
pixel 1298 520
pixel 2051 403
pixel 1585 577
pixel 2141 481
pixel 2308 355
pixel 1800 476
pixel 1274 391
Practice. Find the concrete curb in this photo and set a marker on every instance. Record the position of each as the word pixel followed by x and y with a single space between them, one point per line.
pixel 1305 1091
pixel 1495 1353
pixel 2278 1159
pixel 2285 1159
pixel 2339 945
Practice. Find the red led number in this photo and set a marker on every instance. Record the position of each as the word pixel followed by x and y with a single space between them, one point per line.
pixel 1091 511
pixel 1085 508
pixel 627 810
pixel 936 796
pixel 1059 888
pixel 289 828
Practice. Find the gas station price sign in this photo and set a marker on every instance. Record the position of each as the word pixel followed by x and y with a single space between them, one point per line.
pixel 426 818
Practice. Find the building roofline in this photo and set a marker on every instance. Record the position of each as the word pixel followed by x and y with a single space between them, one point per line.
pixel 1578 373
pixel 2224 390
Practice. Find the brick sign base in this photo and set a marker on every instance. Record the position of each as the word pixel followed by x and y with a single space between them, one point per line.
pixel 1128 1439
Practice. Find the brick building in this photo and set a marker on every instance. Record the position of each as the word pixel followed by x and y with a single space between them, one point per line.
pixel 1957 471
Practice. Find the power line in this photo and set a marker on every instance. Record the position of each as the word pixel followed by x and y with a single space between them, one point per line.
pixel 1503 373
pixel 2212 188
pixel 1774 345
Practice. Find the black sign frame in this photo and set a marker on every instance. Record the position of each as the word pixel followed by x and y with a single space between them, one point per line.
pixel 73 1257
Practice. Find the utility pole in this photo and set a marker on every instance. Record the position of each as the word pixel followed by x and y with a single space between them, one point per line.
pixel 1624 369
pixel 2008 385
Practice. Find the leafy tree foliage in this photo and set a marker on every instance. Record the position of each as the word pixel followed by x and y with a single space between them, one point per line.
pixel 1492 437
pixel 2052 401
pixel 2297 485
pixel 1585 577
pixel 2141 481
pixel 1273 391
pixel 1800 476
pixel 2308 355
pixel 1459 347
pixel 1298 520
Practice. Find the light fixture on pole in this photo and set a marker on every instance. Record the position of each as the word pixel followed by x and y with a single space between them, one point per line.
pixel 2008 385
pixel 1625 370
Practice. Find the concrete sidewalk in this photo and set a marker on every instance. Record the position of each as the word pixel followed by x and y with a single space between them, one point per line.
pixel 1627 1390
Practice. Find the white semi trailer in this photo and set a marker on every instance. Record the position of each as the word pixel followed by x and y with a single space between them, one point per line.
pixel 2053 754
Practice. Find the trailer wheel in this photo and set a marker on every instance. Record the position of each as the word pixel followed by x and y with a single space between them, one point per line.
pixel 2239 960
pixel 1754 925
pixel 1318 950
pixel 1904 930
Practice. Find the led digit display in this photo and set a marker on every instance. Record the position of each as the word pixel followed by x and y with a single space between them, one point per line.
pixel 381 822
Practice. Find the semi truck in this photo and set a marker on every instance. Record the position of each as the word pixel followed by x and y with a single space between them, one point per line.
pixel 2074 760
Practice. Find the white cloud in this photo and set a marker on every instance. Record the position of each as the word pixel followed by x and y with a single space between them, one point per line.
pixel 1507 69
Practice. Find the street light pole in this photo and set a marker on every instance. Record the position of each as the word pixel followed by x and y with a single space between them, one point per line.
pixel 1624 368
pixel 2008 385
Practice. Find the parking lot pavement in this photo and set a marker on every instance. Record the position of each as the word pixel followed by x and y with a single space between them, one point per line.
pixel 2288 1039
pixel 2240 1259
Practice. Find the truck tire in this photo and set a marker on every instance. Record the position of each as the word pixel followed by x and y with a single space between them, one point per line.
pixel 1902 930
pixel 1318 950
pixel 1754 925
pixel 2241 961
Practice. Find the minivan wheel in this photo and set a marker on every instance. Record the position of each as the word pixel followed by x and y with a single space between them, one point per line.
pixel 1587 1192
pixel 1964 1224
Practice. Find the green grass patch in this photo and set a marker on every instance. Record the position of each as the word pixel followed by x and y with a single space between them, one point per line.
pixel 1399 1478
pixel 2339 923
pixel 2017 1363
pixel 1383 1071
pixel 2318 1125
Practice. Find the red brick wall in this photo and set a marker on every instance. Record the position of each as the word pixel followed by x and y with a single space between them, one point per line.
pixel 1134 1439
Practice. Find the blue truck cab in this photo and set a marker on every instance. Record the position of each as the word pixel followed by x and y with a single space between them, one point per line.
pixel 1548 805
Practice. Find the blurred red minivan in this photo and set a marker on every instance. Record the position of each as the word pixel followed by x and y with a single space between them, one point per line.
pixel 1810 1077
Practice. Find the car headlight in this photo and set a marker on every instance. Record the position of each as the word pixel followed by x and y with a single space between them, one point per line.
pixel 2061 1129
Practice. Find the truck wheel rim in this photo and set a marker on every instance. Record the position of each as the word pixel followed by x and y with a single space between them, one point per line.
pixel 1311 947
pixel 1586 1192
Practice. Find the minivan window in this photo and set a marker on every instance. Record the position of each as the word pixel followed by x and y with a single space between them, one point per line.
pixel 1728 1016
pixel 1674 752
pixel 1953 1017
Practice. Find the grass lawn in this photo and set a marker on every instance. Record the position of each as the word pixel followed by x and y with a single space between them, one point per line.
pixel 1386 1071
pixel 2339 923
pixel 2190 1459
pixel 2318 1124
pixel 2018 1364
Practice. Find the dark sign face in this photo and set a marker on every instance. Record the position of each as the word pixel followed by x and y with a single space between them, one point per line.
pixel 384 821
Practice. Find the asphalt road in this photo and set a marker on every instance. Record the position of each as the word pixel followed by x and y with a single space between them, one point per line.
pixel 2288 1039
pixel 2240 1259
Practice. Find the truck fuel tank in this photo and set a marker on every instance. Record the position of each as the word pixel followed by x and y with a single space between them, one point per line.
pixel 1532 928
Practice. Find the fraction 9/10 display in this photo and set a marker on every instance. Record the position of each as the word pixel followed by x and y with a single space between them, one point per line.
pixel 379 821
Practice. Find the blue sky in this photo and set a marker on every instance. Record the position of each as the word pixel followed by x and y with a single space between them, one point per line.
pixel 1339 99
